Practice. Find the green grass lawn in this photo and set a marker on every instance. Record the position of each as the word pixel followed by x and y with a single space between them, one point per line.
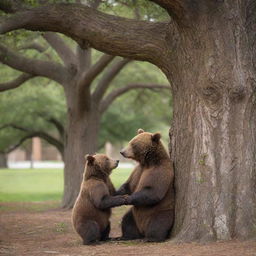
pixel 29 185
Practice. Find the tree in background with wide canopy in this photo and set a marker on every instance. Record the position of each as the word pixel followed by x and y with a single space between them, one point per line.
pixel 86 85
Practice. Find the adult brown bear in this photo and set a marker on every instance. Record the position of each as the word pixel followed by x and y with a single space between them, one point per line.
pixel 151 190
pixel 92 211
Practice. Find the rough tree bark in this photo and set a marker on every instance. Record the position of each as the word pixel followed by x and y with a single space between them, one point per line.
pixel 208 53
pixel 214 127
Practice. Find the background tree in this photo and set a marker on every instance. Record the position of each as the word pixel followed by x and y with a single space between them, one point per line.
pixel 207 51
pixel 86 101
pixel 9 141
pixel 38 109
pixel 118 125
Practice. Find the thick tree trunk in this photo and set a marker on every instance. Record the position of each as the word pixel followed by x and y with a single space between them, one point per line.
pixel 82 139
pixel 214 127
pixel 3 161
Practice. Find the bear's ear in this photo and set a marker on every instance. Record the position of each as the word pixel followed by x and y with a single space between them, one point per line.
pixel 156 137
pixel 90 159
pixel 140 131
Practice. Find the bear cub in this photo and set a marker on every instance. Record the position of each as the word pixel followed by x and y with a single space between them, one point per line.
pixel 92 209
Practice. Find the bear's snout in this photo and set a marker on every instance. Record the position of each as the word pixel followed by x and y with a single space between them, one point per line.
pixel 116 163
pixel 122 152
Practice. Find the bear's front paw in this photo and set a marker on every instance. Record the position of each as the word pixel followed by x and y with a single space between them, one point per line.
pixel 128 199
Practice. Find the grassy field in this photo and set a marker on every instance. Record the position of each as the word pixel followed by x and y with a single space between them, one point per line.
pixel 29 185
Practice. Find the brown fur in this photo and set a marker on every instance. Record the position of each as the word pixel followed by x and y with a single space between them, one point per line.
pixel 89 221
pixel 154 171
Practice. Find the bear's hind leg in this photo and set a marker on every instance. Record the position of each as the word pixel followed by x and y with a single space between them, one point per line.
pixel 90 232
pixel 129 227
pixel 159 227
pixel 105 233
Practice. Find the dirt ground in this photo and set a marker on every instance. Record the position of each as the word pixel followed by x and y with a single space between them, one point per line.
pixel 33 229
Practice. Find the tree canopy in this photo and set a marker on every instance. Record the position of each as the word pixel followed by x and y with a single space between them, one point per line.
pixel 34 109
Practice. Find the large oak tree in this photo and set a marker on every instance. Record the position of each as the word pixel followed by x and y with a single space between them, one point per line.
pixel 207 51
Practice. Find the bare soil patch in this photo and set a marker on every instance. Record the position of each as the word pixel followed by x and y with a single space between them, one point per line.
pixel 34 229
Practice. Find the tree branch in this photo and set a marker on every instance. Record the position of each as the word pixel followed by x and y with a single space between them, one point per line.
pixel 136 11
pixel 19 143
pixel 13 6
pixel 106 102
pixel 51 140
pixel 15 83
pixel 141 40
pixel 84 95
pixel 175 8
pixel 107 78
pixel 17 127
pixel 84 57
pixel 64 52
pixel 31 133
pixel 34 67
pixel 59 126
pixel 95 70
pixel 33 45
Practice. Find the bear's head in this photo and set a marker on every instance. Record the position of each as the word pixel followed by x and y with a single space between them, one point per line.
pixel 146 148
pixel 100 165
